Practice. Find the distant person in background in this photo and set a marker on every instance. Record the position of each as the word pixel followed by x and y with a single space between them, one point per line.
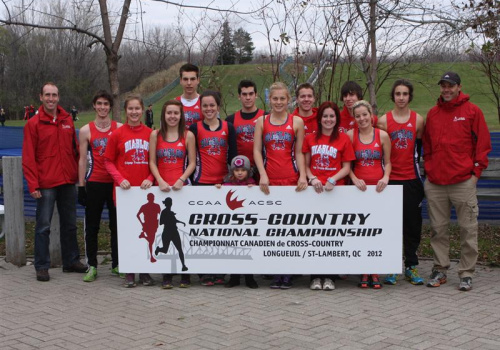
pixel 74 113
pixel 149 117
pixel 95 185
pixel 32 111
pixel 3 116
pixel 50 166
pixel 456 146
pixel 190 99
pixel 305 109
pixel 26 112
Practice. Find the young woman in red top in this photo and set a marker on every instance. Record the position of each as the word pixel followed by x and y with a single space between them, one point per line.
pixel 282 135
pixel 126 160
pixel 172 162
pixel 216 147
pixel 372 166
pixel 328 154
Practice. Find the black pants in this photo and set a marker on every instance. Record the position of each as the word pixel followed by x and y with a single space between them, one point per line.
pixel 413 194
pixel 98 194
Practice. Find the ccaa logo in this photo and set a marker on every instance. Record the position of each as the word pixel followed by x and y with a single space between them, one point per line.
pixel 233 203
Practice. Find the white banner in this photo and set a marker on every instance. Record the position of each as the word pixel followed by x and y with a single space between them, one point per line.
pixel 237 229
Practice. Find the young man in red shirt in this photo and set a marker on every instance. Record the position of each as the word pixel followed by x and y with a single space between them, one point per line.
pixel 405 128
pixel 244 120
pixel 305 101
pixel 190 99
pixel 350 93
pixel 95 185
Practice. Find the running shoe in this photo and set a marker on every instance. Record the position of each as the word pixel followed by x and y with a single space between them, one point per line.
pixel 185 281
pixel 286 282
pixel 465 284
pixel 364 281
pixel 436 279
pixel 219 280
pixel 91 274
pixel 167 282
pixel 251 282
pixel 116 272
pixel 130 280
pixel 146 279
pixel 207 281
pixel 316 284
pixel 375 282
pixel 391 279
pixel 328 284
pixel 411 275
pixel 276 283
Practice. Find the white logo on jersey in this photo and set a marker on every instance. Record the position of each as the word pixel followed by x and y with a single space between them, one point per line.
pixel 376 144
pixel 179 144
pixel 456 119
pixel 409 125
pixel 196 107
pixel 288 127
pixel 223 133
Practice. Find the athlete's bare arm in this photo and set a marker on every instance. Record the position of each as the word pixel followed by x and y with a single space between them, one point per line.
pixel 382 122
pixel 257 155
pixel 298 127
pixel 386 146
pixel 84 139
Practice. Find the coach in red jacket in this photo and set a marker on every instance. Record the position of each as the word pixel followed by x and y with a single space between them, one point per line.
pixel 456 146
pixel 50 166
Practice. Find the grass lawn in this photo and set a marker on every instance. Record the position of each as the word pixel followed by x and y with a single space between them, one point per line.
pixel 489 242
pixel 424 78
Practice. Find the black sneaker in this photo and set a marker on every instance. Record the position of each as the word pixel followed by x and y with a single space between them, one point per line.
pixel 76 267
pixel 146 279
pixel 276 283
pixel 250 282
pixel 233 282
pixel 287 282
pixel 42 275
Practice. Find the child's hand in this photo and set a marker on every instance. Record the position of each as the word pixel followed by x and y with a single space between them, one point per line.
pixel 218 186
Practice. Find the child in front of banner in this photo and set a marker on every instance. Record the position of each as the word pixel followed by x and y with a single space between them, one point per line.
pixel 172 162
pixel 240 174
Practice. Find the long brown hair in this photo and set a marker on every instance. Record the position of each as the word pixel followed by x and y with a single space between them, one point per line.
pixel 319 116
pixel 182 121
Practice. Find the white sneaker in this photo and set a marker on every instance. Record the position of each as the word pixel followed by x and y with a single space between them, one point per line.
pixel 329 284
pixel 315 284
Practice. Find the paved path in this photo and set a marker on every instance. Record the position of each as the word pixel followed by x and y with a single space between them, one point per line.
pixel 67 313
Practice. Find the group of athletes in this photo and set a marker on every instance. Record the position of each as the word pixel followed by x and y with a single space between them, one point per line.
pixel 320 147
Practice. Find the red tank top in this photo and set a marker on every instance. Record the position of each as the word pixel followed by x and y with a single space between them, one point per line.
pixel 191 114
pixel 403 147
pixel 368 164
pixel 95 153
pixel 211 158
pixel 171 158
pixel 279 149
pixel 244 134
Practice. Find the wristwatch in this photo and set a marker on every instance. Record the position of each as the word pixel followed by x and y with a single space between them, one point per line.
pixel 332 181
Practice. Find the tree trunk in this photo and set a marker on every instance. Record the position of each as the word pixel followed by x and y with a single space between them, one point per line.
pixel 112 64
pixel 373 56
